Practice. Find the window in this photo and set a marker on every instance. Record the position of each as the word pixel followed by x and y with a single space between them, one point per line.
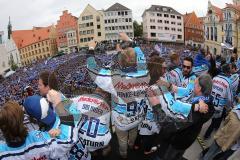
pixel 98 19
pixel 212 33
pixel 159 21
pixel 173 22
pixel 126 13
pixel 215 34
pixel 152 27
pixel 179 36
pixel 207 33
pixel 126 20
pixel 112 20
pixel 91 23
pixel 166 15
pixel 166 28
pixel 179 30
pixel 153 34
pixel 173 29
pixel 105 21
pixel 167 22
pixel 179 17
pixel 160 28
pixel 172 16
pixel 152 20
pixel 99 34
pixel 179 24
pixel 98 27
pixel 159 14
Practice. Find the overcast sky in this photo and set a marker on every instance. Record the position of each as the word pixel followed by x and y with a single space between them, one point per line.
pixel 28 13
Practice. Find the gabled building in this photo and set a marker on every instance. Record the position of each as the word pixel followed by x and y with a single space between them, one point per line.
pixel 67 37
pixel 162 23
pixel 90 26
pixel 193 30
pixel 214 30
pixel 35 44
pixel 118 18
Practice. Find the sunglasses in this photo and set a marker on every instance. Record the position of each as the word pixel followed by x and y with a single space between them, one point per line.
pixel 188 67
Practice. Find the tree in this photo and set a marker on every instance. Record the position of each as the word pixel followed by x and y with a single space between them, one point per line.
pixel 138 29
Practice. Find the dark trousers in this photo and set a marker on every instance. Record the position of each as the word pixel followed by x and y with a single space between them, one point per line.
pixel 146 141
pixel 224 155
pixel 173 153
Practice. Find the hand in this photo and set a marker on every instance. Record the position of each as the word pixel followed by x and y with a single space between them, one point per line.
pixel 118 48
pixel 92 44
pixel 54 97
pixel 54 132
pixel 124 37
pixel 203 107
pixel 152 97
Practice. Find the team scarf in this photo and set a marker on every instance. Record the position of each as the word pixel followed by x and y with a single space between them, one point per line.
pixel 206 99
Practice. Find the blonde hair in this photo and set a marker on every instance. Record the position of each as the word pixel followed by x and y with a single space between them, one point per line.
pixel 128 58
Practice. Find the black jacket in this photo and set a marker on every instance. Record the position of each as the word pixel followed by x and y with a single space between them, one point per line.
pixel 184 138
pixel 183 132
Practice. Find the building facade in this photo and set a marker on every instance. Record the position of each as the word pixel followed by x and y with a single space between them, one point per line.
pixel 193 30
pixel 12 52
pixel 90 26
pixel 214 31
pixel 36 44
pixel 72 40
pixel 67 23
pixel 231 15
pixel 118 18
pixel 163 24
pixel 4 65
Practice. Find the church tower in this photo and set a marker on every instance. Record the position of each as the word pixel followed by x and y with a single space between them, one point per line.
pixel 9 28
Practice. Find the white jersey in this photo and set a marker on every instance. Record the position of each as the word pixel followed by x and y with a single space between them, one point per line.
pixel 39 145
pixel 128 89
pixel 222 94
pixel 184 92
pixel 94 122
pixel 148 125
pixel 234 83
pixel 175 77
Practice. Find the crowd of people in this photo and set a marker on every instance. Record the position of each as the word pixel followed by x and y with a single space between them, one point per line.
pixel 154 97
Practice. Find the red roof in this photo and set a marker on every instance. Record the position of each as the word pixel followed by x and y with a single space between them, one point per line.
pixel 218 12
pixel 24 38
pixel 191 18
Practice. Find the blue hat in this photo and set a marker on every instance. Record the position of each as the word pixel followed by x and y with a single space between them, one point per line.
pixel 39 108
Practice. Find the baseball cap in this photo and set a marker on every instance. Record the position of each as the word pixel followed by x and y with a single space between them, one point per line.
pixel 39 108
